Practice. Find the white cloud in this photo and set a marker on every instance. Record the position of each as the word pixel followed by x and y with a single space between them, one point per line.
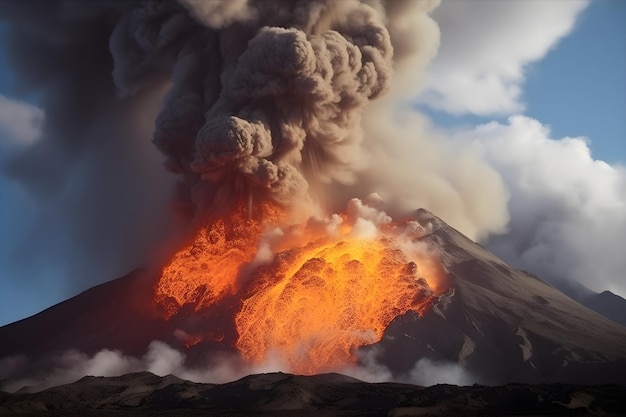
pixel 568 211
pixel 486 46
pixel 20 123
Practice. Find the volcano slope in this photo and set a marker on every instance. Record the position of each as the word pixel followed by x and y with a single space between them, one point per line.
pixel 504 325
pixel 500 324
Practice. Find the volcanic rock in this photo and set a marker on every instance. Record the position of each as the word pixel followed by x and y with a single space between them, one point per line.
pixel 145 394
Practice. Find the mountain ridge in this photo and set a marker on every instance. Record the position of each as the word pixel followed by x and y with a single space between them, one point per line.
pixel 143 394
pixel 503 323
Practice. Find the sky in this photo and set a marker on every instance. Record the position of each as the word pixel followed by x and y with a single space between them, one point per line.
pixel 576 87
pixel 533 89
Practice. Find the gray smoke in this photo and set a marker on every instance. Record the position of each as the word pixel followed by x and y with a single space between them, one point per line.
pixel 245 100
pixel 263 96
pixel 293 80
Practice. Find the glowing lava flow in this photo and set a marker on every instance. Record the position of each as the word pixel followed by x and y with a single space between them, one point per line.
pixel 317 300
pixel 316 305
pixel 206 270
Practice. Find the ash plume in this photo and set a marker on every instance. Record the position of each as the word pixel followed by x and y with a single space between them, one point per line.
pixel 247 100
pixel 307 104
pixel 281 101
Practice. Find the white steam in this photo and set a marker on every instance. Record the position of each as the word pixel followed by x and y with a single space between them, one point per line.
pixel 162 359
pixel 427 372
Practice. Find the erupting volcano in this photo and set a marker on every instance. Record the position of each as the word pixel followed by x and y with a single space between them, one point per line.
pixel 311 294
pixel 294 242
pixel 261 123
pixel 259 138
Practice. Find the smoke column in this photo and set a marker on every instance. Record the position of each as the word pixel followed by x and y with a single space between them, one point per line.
pixel 306 104
pixel 265 95
pixel 247 100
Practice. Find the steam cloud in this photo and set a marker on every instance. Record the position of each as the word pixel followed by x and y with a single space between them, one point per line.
pixel 161 359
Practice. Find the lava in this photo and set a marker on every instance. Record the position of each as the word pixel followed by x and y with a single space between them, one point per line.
pixel 322 293
pixel 314 306
pixel 206 270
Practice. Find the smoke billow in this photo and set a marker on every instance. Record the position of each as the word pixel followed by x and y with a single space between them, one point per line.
pixel 264 96
pixel 247 100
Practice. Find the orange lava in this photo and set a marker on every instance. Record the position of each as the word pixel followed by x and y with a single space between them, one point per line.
pixel 206 270
pixel 313 304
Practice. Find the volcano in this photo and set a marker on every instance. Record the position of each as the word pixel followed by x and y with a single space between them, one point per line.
pixel 500 324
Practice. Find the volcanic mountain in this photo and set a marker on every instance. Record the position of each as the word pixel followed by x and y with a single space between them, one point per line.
pixel 500 324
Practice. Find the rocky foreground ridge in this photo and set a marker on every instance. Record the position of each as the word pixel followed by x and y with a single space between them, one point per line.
pixel 145 394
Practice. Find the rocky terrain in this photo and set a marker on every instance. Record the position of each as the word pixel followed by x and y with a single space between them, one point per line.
pixel 278 394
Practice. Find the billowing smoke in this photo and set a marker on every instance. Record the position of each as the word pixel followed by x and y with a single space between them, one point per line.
pixel 265 95
pixel 246 100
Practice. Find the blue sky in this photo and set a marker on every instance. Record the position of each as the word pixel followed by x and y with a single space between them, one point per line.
pixel 579 87
pixel 570 81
